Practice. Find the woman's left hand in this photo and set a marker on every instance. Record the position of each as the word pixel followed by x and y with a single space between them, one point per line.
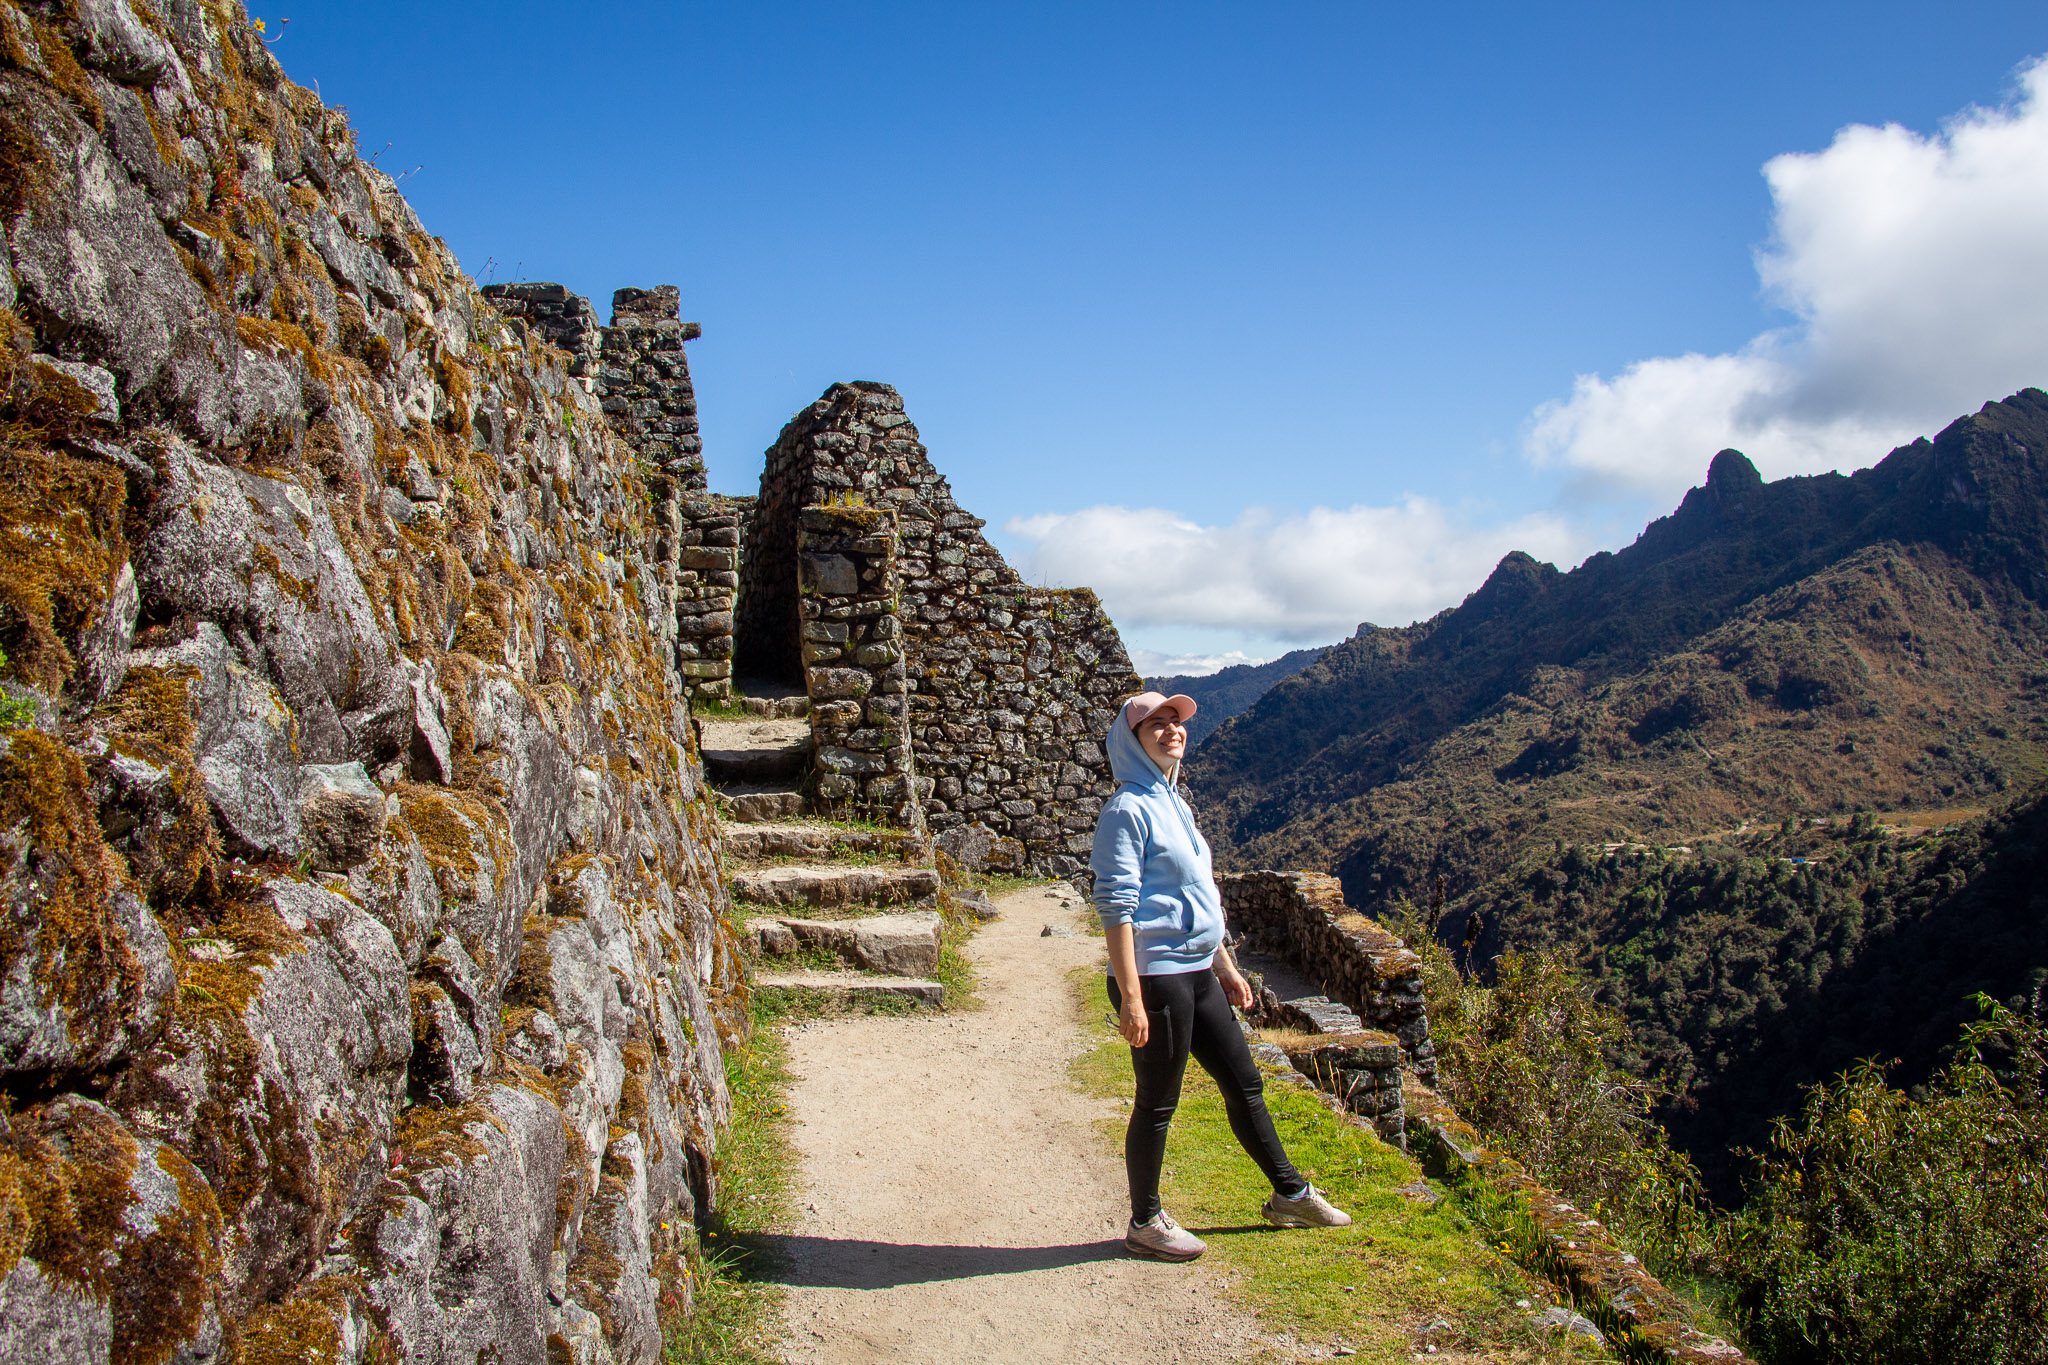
pixel 1236 989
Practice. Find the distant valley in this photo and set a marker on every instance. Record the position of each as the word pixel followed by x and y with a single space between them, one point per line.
pixel 1230 692
pixel 1597 760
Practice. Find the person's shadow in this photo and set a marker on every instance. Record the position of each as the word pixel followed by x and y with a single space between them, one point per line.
pixel 855 1263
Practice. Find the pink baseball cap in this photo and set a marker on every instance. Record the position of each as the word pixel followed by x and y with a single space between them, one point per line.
pixel 1145 703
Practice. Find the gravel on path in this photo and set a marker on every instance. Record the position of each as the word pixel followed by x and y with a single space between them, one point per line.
pixel 958 1203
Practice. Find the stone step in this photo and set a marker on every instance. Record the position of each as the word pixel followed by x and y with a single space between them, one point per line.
pixel 798 705
pixel 838 990
pixel 758 842
pixel 737 751
pixel 897 945
pixel 824 885
pixel 751 803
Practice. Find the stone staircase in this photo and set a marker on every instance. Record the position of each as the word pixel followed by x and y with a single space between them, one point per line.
pixel 839 914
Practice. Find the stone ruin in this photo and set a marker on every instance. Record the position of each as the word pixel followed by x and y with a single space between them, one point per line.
pixel 992 693
pixel 944 691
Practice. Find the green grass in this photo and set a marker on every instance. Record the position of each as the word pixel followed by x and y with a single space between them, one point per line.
pixel 744 910
pixel 1002 884
pixel 955 972
pixel 732 1321
pixel 1374 1287
pixel 704 708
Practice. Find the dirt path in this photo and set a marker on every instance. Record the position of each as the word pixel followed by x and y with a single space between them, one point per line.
pixel 958 1204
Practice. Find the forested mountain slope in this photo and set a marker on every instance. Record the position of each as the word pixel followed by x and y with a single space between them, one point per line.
pixel 1687 766
pixel 1816 644
pixel 1753 966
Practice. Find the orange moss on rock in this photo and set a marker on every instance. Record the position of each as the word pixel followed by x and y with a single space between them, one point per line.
pixel 51 842
pixel 61 545
pixel 150 719
pixel 68 1179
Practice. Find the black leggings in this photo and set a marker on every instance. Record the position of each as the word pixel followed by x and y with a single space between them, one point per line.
pixel 1190 1017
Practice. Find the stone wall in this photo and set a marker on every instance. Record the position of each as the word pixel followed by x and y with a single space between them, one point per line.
pixel 1384 1079
pixel 639 371
pixel 853 664
pixel 1362 1070
pixel 1301 918
pixel 563 320
pixel 364 976
pixel 645 380
pixel 1010 687
pixel 707 583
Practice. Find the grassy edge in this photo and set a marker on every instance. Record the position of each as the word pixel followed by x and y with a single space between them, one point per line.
pixel 732 1316
pixel 1376 1288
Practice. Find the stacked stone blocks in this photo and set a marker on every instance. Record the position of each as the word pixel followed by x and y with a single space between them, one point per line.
pixel 646 383
pixel 853 663
pixel 1362 1069
pixel 563 320
pixel 1009 687
pixel 1301 917
pixel 707 584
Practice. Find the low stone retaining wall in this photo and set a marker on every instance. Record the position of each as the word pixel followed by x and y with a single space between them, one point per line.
pixel 1301 917
pixel 1339 1049
pixel 1363 1071
pixel 1642 1319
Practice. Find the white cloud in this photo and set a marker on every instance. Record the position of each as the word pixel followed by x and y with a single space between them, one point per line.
pixel 1298 579
pixel 1917 267
pixel 1150 663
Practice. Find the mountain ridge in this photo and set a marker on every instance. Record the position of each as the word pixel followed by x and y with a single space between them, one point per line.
pixel 1230 692
pixel 1372 707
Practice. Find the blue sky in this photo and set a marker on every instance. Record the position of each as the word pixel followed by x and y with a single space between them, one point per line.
pixel 1140 268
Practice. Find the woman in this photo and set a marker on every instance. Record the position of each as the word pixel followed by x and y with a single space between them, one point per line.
pixel 1172 981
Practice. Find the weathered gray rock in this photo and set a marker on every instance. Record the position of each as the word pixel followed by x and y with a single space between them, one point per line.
pixel 977 905
pixel 259 556
pixel 84 1000
pixel 295 1092
pixel 102 648
pixel 975 848
pixel 465 1232
pixel 900 945
pixel 613 1256
pixel 90 254
pixel 44 1318
pixel 757 842
pixel 244 742
pixel 341 815
pixel 75 1306
pixel 120 44
pixel 538 1042
pixel 828 885
pixel 838 990
pixel 445 1053
pixel 88 382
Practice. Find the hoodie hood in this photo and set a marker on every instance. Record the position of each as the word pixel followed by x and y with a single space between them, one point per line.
pixel 1128 761
pixel 1152 866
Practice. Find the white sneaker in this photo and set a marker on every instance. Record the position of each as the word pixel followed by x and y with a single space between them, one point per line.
pixel 1162 1239
pixel 1309 1211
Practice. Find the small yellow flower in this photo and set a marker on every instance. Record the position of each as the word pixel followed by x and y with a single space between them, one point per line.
pixel 1856 1116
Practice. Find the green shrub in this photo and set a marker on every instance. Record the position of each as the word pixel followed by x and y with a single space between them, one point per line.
pixel 1527 1061
pixel 1885 1228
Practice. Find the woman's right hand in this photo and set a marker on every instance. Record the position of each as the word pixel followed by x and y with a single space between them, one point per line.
pixel 1132 1022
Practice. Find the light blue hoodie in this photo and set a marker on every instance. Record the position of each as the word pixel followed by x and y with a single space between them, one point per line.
pixel 1151 864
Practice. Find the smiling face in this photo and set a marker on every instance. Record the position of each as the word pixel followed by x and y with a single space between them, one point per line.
pixel 1164 737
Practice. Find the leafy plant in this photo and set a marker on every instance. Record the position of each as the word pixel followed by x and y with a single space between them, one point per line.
pixel 1527 1061
pixel 1884 1228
